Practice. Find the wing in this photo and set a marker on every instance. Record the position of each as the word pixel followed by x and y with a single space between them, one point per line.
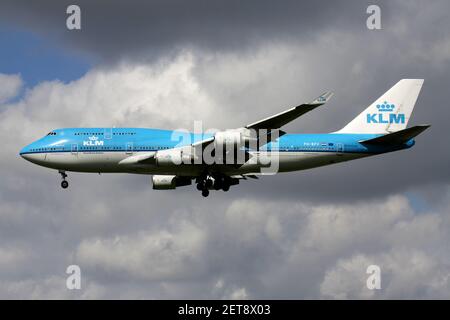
pixel 271 123
pixel 280 119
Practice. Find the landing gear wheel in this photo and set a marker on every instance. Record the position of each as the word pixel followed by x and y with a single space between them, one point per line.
pixel 226 187
pixel 217 183
pixel 200 186
pixel 64 183
pixel 208 183
pixel 205 193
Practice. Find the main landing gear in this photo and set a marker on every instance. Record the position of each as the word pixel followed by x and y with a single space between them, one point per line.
pixel 64 183
pixel 213 182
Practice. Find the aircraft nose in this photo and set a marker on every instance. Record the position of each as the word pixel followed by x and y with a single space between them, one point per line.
pixel 34 154
pixel 25 152
pixel 26 156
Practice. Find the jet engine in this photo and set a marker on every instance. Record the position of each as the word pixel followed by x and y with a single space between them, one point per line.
pixel 233 139
pixel 228 146
pixel 166 182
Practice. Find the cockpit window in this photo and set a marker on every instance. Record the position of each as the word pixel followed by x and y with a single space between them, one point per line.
pixel 51 133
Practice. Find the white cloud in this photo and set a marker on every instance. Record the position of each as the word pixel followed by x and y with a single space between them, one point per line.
pixel 47 288
pixel 131 241
pixel 10 85
pixel 249 220
pixel 10 257
pixel 148 96
pixel 332 228
pixel 162 255
pixel 259 249
pixel 238 294
pixel 405 273
pixel 347 280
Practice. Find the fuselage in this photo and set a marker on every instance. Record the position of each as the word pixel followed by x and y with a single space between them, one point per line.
pixel 101 150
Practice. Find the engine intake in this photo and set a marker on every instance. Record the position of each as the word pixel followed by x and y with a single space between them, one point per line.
pixel 228 146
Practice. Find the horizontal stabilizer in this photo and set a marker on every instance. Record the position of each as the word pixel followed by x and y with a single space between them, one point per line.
pixel 398 137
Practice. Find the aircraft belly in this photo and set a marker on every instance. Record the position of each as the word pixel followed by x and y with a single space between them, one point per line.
pixel 291 161
pixel 86 161
pixel 294 161
pixel 306 160
pixel 108 162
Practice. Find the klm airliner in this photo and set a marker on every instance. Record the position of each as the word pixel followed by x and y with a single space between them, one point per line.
pixel 218 160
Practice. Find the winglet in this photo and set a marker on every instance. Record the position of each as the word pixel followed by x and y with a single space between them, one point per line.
pixel 323 98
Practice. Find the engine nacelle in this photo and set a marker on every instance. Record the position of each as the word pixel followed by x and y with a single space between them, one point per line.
pixel 228 146
pixel 225 139
pixel 167 182
pixel 173 157
pixel 233 138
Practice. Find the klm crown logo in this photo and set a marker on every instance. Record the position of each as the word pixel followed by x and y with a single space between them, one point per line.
pixel 385 107
pixel 386 114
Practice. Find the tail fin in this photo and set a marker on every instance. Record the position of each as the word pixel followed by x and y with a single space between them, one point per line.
pixel 390 112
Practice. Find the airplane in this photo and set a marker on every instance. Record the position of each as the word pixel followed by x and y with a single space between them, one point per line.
pixel 175 158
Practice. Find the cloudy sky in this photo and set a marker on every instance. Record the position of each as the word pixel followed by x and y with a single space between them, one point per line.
pixel 165 64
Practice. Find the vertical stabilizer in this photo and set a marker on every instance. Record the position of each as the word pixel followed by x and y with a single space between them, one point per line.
pixel 390 112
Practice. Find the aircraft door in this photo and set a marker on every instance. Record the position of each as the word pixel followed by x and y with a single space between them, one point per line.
pixel 108 133
pixel 129 148
pixel 74 149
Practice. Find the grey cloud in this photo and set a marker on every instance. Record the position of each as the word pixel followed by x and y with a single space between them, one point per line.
pixel 243 247
pixel 130 30
pixel 296 235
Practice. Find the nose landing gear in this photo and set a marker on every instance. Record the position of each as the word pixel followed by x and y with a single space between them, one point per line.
pixel 64 183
